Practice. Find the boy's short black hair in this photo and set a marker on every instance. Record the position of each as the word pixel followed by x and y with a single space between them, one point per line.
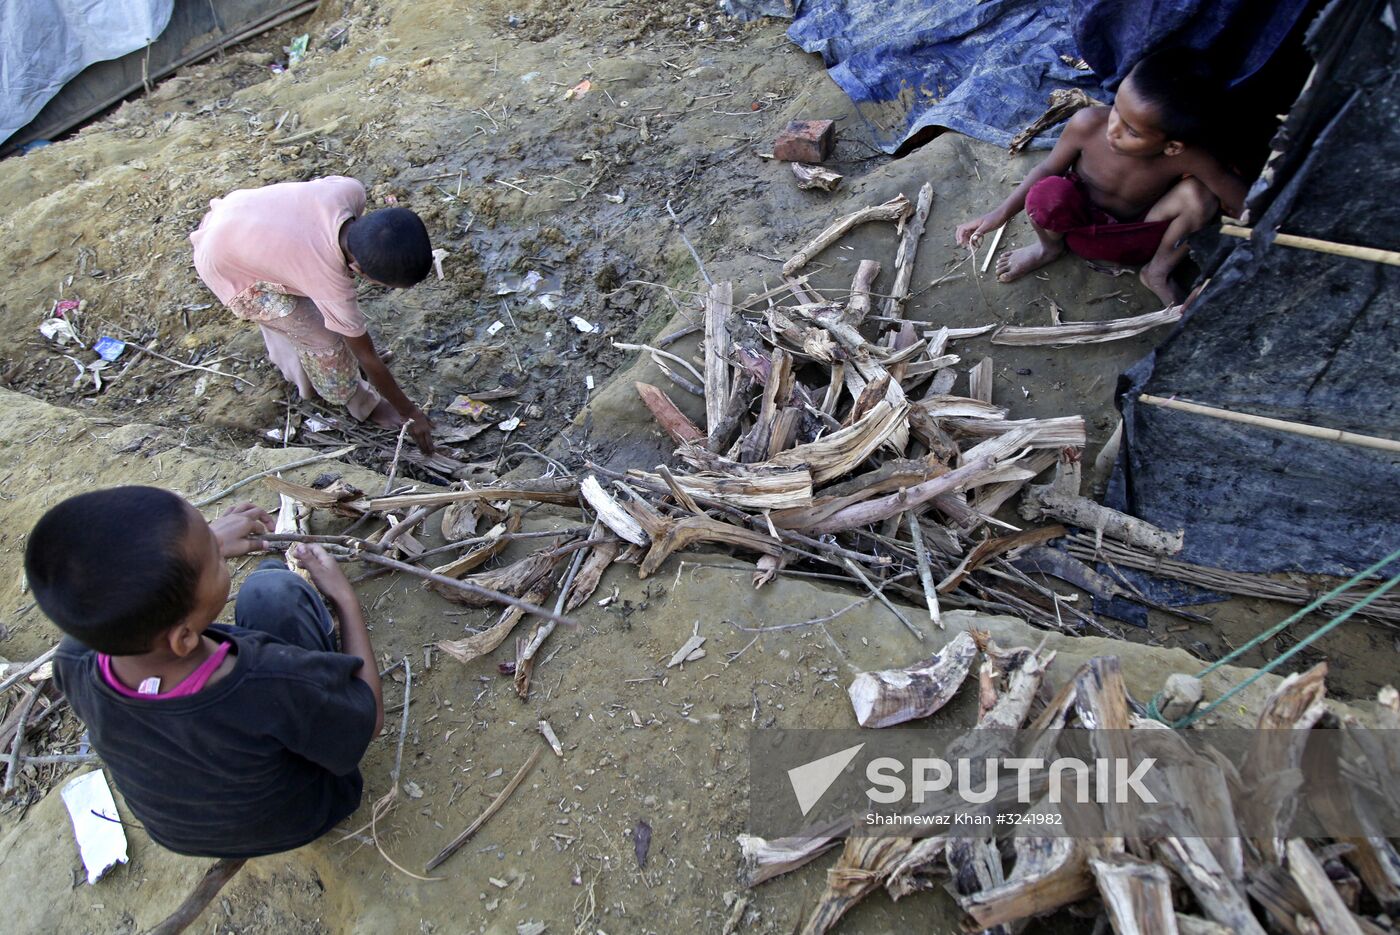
pixel 1184 87
pixel 111 568
pixel 391 246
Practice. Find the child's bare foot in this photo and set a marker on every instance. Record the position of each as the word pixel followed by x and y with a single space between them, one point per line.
pixel 1017 263
pixel 386 415
pixel 1160 282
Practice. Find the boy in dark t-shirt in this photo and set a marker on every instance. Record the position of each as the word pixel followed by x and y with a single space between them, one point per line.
pixel 226 741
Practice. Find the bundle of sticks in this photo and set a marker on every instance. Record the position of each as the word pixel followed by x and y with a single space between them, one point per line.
pixel 1211 857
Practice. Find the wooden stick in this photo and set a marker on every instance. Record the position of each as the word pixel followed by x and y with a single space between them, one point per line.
pixel 992 247
pixel 668 415
pixel 904 256
pixel 719 309
pixel 467 586
pixel 542 633
pixel 925 569
pixel 394 464
pixel 892 210
pixel 185 366
pixel 894 696
pixel 1295 428
pixel 1322 897
pixel 656 351
pixel 1088 332
pixel 316 459
pixel 209 885
pixel 485 816
pixel 399 529
pixel 12 763
pixel 26 668
pixel 1370 254
pixel 879 595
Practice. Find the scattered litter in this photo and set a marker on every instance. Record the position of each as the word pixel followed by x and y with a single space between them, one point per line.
pixel 690 652
pixel 63 306
pixel 473 409
pixel 96 824
pixel 58 331
pixel 378 61
pixel 549 302
pixel 588 381
pixel 530 928
pixel 313 424
pixel 605 601
pixel 200 386
pixel 109 349
pixel 584 325
pixel 617 199
pixel 551 738
pixel 529 76
pixel 509 425
pixel 498 884
pixel 496 326
pixel 297 50
pixel 578 90
pixel 438 256
pixel 641 841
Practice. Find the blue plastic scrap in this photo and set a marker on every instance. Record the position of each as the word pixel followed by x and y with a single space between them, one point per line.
pixel 986 67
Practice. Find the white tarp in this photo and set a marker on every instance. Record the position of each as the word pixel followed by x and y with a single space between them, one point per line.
pixel 44 43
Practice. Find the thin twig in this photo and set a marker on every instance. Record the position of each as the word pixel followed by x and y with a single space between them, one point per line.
pixel 316 459
pixel 658 351
pixel 879 595
pixel 394 465
pixel 186 366
pixel 24 670
pixel 815 621
pixel 541 634
pixel 689 246
pixel 485 816
pixel 925 569
pixel 471 588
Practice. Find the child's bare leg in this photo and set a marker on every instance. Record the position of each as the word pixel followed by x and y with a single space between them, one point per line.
pixel 1189 206
pixel 1014 264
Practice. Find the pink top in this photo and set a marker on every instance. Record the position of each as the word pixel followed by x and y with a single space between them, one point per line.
pixel 189 685
pixel 287 235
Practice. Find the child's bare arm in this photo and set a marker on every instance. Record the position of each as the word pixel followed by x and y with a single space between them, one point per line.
pixel 1061 158
pixel 1223 184
pixel 354 635
pixel 379 376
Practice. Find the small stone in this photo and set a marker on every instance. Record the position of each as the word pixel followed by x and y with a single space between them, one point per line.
pixel 649 801
pixel 1180 696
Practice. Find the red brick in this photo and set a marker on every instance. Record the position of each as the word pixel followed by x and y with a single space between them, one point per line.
pixel 805 141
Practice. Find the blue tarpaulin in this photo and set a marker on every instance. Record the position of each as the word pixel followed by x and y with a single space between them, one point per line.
pixel 986 67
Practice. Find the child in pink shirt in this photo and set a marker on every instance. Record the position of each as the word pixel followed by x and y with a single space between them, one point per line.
pixel 285 256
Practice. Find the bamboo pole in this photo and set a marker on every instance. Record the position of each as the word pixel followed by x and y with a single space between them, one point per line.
pixel 1296 428
pixel 1351 251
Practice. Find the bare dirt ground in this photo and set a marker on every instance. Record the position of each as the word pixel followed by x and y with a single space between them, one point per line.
pixel 460 112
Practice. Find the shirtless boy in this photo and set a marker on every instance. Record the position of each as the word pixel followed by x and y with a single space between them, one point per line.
pixel 1125 184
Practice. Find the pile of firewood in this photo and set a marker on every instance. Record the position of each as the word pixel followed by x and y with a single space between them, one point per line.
pixel 834 445
pixel 1198 872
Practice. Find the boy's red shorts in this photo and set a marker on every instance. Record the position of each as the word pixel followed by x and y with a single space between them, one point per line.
pixel 1061 204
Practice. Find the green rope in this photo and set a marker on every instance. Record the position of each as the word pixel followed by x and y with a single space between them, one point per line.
pixel 1152 706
